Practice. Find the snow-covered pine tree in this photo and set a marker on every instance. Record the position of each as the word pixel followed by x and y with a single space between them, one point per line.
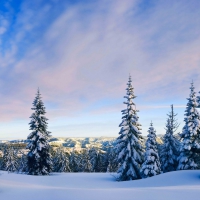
pixel 39 158
pixel 173 120
pixel 22 163
pixel 113 165
pixel 129 143
pixel 190 134
pixel 4 157
pixel 75 161
pixel 170 149
pixel 98 159
pixel 198 101
pixel 94 159
pixel 12 164
pixel 85 163
pixel 151 165
pixel 10 160
pixel 198 150
pixel 61 161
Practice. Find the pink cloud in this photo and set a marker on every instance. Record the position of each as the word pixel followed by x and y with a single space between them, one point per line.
pixel 92 55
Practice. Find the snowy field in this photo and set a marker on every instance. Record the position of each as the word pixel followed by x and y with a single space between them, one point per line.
pixel 181 185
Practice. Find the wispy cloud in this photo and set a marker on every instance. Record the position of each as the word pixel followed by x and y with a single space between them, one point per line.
pixel 82 53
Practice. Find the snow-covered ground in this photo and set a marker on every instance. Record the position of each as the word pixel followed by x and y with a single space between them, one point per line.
pixel 180 185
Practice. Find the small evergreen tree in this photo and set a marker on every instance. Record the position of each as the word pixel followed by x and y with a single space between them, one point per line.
pixel 151 166
pixel 4 157
pixel 23 163
pixel 74 161
pixel 10 160
pixel 113 165
pixel 94 155
pixel 129 143
pixel 39 158
pixel 198 149
pixel 85 163
pixel 98 159
pixel 190 134
pixel 61 161
pixel 170 148
pixel 198 101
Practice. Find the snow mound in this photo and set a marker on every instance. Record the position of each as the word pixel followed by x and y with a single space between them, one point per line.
pixel 100 186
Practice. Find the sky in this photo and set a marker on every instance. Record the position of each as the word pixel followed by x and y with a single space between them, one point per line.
pixel 80 54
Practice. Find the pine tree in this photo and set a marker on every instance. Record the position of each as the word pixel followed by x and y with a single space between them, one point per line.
pixel 10 160
pixel 23 163
pixel 151 166
pixel 75 161
pixel 198 149
pixel 39 158
pixel 190 134
pixel 98 159
pixel 129 143
pixel 198 101
pixel 61 161
pixel 170 148
pixel 112 162
pixel 85 163
pixel 94 155
pixel 4 157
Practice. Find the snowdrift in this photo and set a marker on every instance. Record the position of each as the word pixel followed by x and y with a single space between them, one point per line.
pixel 181 185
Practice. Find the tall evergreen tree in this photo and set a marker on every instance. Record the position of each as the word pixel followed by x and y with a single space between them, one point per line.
pixel 39 158
pixel 198 148
pixel 129 143
pixel 173 120
pixel 151 166
pixel 170 148
pixel 190 134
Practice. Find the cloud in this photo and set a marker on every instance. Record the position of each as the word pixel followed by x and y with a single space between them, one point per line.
pixel 84 54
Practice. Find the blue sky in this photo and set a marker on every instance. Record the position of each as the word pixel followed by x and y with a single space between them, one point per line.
pixel 80 54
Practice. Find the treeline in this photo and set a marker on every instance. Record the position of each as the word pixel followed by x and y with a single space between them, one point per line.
pixel 63 160
pixel 129 157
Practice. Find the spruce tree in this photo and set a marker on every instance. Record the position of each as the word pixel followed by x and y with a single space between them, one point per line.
pixel 98 159
pixel 22 163
pixel 39 158
pixel 190 134
pixel 4 158
pixel 94 155
pixel 170 148
pixel 151 166
pixel 13 161
pixel 112 162
pixel 85 163
pixel 129 143
pixel 198 147
pixel 10 160
pixel 75 161
pixel 61 161
pixel 198 101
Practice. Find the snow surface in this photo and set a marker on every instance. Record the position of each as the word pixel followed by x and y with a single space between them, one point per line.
pixel 180 185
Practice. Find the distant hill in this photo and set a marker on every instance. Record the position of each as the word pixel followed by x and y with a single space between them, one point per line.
pixel 83 142
pixel 78 142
